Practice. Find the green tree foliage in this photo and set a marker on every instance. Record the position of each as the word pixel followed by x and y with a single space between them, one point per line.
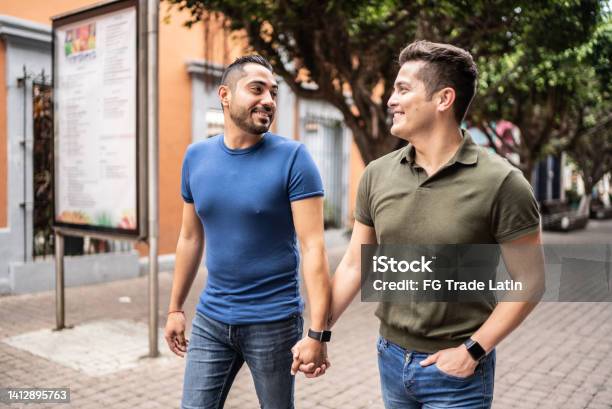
pixel 543 88
pixel 590 145
pixel 349 50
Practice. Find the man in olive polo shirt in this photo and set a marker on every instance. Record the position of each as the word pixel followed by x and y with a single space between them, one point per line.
pixel 440 189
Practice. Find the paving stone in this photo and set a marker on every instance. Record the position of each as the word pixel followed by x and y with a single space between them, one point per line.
pixel 561 357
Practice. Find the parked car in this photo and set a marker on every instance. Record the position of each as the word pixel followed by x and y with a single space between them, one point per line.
pixel 557 215
pixel 599 210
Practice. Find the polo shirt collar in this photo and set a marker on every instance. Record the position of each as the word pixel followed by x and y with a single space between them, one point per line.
pixel 467 154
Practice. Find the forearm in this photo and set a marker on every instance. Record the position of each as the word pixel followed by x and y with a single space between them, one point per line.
pixel 524 260
pixel 504 319
pixel 345 285
pixel 316 278
pixel 187 261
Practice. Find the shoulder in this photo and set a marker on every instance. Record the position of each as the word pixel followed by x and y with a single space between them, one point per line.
pixel 282 144
pixel 498 173
pixel 288 149
pixel 493 167
pixel 201 147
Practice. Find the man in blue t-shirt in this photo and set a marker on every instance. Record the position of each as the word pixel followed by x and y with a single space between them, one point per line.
pixel 249 196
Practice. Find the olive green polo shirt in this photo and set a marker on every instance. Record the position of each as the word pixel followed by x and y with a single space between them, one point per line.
pixel 476 198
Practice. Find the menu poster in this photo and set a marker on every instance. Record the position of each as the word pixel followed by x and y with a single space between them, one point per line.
pixel 96 121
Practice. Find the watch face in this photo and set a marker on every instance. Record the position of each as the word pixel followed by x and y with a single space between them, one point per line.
pixel 475 350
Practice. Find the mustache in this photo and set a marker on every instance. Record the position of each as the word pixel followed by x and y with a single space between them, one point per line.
pixel 264 109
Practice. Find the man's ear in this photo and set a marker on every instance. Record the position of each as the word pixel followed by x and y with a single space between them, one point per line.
pixel 445 99
pixel 225 95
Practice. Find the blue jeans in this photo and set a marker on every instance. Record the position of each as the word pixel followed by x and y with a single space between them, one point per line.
pixel 217 351
pixel 406 385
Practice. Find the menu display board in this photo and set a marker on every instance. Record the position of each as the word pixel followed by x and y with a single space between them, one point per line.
pixel 96 122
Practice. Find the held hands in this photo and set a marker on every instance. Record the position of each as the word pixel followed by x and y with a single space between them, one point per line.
pixel 174 333
pixel 310 357
pixel 453 361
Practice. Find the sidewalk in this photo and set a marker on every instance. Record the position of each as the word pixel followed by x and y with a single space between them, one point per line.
pixel 561 357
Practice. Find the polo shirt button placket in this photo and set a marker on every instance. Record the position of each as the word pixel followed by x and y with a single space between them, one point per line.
pixel 421 177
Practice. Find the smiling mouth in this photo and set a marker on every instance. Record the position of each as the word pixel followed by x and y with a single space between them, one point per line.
pixel 262 114
pixel 397 115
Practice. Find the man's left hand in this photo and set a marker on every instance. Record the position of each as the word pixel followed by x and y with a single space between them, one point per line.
pixel 453 361
pixel 309 357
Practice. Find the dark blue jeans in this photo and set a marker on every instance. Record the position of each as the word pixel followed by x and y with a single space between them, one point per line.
pixel 217 351
pixel 407 385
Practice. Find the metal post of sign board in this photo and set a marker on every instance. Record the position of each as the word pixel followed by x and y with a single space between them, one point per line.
pixel 152 122
pixel 59 281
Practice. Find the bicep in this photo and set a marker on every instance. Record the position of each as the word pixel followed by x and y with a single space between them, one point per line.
pixel 191 226
pixel 529 239
pixel 362 234
pixel 308 220
pixel 524 256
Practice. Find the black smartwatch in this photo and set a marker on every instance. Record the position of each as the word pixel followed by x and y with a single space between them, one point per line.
pixel 323 336
pixel 476 351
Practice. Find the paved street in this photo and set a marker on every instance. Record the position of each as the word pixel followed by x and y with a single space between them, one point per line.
pixel 561 357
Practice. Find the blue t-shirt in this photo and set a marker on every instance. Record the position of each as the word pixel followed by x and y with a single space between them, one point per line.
pixel 243 199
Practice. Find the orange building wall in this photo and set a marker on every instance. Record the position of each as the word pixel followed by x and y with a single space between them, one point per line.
pixel 177 45
pixel 3 142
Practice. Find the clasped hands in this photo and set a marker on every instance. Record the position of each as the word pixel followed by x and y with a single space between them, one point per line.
pixel 309 357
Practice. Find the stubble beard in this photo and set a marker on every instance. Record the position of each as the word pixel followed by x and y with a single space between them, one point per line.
pixel 242 118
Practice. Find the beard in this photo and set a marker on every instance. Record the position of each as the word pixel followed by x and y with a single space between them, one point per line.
pixel 243 118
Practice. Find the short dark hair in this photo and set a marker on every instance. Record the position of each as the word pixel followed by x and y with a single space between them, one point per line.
pixel 238 66
pixel 446 66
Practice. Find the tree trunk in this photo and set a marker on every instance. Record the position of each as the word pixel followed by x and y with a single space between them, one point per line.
pixel 585 201
pixel 585 204
pixel 527 165
pixel 373 138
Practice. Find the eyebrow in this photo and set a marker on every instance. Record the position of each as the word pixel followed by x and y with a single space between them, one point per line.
pixel 258 82
pixel 400 83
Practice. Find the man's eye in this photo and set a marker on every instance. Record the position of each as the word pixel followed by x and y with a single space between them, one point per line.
pixel 257 90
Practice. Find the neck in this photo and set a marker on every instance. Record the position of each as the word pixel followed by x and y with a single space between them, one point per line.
pixel 236 138
pixel 436 147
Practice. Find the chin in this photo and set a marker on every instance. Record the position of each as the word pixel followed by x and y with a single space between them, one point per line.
pixel 398 131
pixel 259 129
pixel 403 135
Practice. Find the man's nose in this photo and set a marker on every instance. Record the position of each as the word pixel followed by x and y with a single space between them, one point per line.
pixel 392 101
pixel 268 100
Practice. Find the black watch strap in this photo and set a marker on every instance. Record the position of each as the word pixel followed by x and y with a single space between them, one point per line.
pixel 323 336
pixel 476 351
